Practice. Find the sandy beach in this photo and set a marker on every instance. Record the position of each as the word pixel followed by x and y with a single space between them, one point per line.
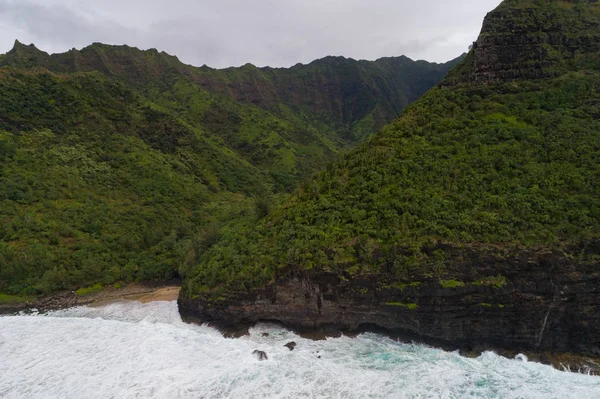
pixel 159 294
pixel 132 292
pixel 139 294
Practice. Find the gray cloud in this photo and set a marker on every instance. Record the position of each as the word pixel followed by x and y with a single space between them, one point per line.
pixel 222 33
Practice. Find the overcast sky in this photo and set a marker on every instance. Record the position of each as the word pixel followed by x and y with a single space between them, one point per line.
pixel 222 33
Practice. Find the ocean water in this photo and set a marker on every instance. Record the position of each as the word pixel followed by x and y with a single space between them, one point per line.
pixel 134 350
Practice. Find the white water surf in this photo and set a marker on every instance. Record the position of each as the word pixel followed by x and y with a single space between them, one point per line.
pixel 134 350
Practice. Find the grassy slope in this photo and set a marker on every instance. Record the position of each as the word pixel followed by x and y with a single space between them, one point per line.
pixel 508 161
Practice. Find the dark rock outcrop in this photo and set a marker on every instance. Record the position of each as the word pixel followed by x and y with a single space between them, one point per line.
pixel 519 300
pixel 291 345
pixel 261 355
pixel 520 41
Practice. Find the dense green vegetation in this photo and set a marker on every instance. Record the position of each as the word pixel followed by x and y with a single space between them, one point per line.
pixel 96 185
pixel 499 155
pixel 288 122
pixel 121 165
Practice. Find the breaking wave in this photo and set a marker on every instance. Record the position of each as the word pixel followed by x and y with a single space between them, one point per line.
pixel 134 350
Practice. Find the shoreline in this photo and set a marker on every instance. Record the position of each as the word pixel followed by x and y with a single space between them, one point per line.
pixel 141 292
pixel 567 362
pixel 167 293
pixel 152 292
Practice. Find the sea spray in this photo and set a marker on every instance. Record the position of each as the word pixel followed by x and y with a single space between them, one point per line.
pixel 133 350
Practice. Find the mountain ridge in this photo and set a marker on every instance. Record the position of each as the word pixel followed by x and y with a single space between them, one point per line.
pixel 18 44
pixel 310 114
pixel 98 56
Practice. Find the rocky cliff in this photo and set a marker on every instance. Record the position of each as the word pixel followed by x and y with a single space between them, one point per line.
pixel 530 40
pixel 355 95
pixel 471 221
pixel 522 300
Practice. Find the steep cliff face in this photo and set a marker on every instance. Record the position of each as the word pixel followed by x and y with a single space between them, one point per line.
pixel 357 96
pixel 526 39
pixel 523 300
pixel 472 220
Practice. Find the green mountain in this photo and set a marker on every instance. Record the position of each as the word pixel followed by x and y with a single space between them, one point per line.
pixel 289 122
pixel 119 164
pixel 472 220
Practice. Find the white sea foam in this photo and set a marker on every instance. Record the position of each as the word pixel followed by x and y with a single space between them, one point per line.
pixel 134 350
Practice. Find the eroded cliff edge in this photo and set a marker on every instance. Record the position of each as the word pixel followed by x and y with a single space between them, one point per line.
pixel 522 300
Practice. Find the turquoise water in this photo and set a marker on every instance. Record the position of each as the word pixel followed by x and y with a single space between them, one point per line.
pixel 134 350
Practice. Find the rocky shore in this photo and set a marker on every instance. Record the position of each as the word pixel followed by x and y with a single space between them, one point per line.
pixel 541 303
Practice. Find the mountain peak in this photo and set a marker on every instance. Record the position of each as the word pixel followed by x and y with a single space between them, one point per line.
pixel 18 46
pixel 25 56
